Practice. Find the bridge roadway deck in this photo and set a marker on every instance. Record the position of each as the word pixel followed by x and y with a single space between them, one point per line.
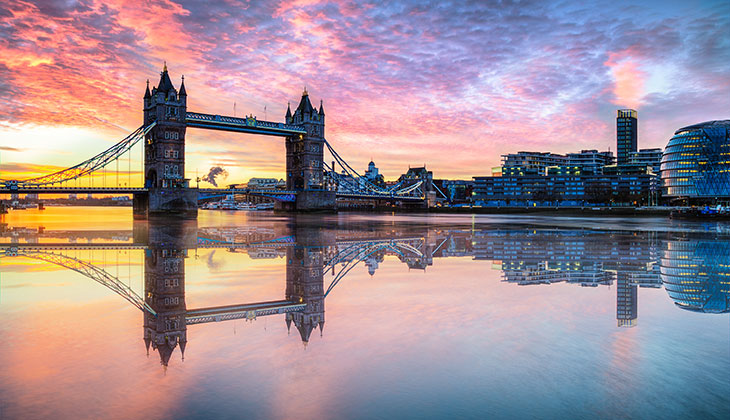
pixel 210 191
pixel 73 190
pixel 250 310
pixel 363 196
pixel 202 243
pixel 245 191
pixel 28 246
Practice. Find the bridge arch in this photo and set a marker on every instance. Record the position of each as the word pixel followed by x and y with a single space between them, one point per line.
pixel 151 178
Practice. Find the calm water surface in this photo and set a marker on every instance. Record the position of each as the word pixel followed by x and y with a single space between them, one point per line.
pixel 255 315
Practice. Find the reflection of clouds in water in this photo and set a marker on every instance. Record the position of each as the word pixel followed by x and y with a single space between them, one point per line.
pixel 212 264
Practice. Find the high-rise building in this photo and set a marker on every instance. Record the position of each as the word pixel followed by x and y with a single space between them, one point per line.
pixel 626 301
pixel 626 135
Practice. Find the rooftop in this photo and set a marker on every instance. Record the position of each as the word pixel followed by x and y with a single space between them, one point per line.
pixel 706 124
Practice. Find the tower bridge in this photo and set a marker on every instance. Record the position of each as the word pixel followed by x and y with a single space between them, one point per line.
pixel 311 183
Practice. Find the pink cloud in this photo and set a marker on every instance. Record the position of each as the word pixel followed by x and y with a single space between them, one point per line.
pixel 402 84
pixel 629 78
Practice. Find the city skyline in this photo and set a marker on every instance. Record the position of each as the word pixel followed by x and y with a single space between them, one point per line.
pixel 453 86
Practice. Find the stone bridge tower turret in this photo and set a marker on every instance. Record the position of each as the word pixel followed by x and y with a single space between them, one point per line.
pixel 164 153
pixel 305 158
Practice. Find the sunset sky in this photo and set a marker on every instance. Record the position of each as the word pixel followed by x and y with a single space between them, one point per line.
pixel 452 85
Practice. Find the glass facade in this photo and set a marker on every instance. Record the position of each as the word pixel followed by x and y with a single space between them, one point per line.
pixel 562 184
pixel 696 275
pixel 626 135
pixel 696 162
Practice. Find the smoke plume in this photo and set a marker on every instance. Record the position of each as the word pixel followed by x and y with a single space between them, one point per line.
pixel 214 172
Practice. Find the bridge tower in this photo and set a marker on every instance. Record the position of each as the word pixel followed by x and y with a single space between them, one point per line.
pixel 305 279
pixel 164 155
pixel 304 160
pixel 164 283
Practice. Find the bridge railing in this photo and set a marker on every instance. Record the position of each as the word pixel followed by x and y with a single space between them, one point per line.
pixel 246 122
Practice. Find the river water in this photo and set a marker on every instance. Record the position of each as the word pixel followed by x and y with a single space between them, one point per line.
pixel 262 316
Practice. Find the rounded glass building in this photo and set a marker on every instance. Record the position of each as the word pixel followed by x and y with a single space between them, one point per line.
pixel 696 162
pixel 696 274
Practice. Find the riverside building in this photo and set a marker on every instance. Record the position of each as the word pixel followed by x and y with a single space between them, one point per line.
pixel 575 179
pixel 563 187
pixel 695 165
pixel 626 135
pixel 530 163
pixel 590 161
pixel 649 158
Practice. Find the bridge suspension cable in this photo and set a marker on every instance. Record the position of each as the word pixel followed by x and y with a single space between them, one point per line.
pixel 88 166
pixel 351 182
pixel 358 252
pixel 91 271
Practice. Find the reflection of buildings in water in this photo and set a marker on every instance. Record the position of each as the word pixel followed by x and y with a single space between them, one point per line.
pixel 237 234
pixel 589 258
pixel 525 273
pixel 165 293
pixel 696 274
pixel 305 283
pixel 626 301
pixel 266 253
pixel 165 288
pixel 164 275
pixel 372 262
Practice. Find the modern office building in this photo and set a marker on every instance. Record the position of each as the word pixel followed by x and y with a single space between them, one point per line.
pixel 563 186
pixel 696 163
pixel 537 163
pixel 626 135
pixel 590 161
pixel 651 158
pixel 626 301
pixel 531 163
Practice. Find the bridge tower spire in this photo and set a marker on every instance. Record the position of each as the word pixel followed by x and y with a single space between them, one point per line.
pixel 305 280
pixel 304 160
pixel 164 156
pixel 164 280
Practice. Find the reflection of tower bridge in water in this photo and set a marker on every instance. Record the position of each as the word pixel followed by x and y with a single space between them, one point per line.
pixel 693 269
pixel 162 189
pixel 311 255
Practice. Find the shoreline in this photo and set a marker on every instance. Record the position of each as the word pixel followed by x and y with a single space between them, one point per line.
pixel 562 211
